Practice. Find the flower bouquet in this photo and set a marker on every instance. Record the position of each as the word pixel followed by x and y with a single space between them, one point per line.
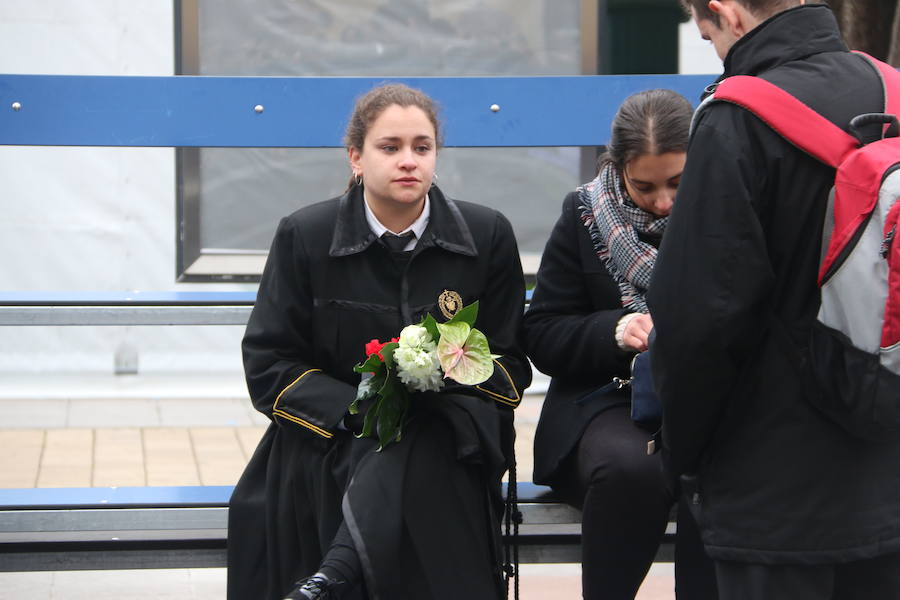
pixel 419 361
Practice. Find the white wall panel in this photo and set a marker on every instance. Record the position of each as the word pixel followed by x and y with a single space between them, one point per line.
pixel 94 218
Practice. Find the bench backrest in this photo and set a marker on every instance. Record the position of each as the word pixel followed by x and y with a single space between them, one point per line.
pixel 308 112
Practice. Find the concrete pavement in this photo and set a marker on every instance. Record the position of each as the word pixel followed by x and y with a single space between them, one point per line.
pixel 187 429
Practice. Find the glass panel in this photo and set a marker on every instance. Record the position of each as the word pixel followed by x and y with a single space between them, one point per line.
pixel 232 199
pixel 247 191
pixel 392 38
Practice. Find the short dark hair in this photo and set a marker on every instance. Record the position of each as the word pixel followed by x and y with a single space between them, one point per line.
pixel 761 8
pixel 651 122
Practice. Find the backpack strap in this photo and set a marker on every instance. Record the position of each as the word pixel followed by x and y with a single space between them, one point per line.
pixel 890 78
pixel 788 116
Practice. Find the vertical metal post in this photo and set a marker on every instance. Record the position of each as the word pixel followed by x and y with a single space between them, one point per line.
pixel 593 16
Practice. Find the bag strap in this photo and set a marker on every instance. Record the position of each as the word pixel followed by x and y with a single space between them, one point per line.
pixel 890 78
pixel 788 116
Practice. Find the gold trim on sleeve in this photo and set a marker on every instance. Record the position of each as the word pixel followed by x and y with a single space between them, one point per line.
pixel 303 423
pixel 284 415
pixel 514 402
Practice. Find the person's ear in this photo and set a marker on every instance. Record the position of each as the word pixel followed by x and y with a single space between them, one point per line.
pixel 354 156
pixel 733 17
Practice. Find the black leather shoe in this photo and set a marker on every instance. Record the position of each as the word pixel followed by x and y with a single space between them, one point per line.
pixel 316 587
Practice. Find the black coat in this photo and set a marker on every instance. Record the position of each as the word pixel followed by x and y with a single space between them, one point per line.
pixel 569 333
pixel 327 289
pixel 733 297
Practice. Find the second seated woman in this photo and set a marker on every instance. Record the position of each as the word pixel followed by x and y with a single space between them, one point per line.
pixel 587 321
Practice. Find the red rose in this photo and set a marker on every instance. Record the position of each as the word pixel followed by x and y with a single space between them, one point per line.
pixel 374 347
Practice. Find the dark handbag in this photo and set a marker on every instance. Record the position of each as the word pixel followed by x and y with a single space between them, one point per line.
pixel 646 408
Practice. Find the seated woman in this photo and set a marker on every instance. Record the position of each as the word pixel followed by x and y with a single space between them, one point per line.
pixel 420 518
pixel 586 322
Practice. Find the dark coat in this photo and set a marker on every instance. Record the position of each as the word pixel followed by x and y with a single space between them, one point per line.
pixel 733 298
pixel 327 289
pixel 569 333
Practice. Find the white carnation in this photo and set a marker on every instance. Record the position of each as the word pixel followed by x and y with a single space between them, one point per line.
pixel 415 336
pixel 417 367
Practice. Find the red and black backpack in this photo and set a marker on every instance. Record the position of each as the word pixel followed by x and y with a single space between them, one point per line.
pixel 854 356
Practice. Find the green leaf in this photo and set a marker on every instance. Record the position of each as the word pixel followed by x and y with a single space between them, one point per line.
pixel 388 353
pixel 465 354
pixel 371 418
pixel 388 413
pixel 372 364
pixel 364 390
pixel 467 315
pixel 388 425
pixel 432 326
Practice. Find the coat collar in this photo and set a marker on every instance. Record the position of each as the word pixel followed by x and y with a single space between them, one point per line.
pixel 446 228
pixel 790 35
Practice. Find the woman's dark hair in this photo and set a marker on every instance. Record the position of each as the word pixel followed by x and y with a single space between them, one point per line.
pixel 370 106
pixel 650 122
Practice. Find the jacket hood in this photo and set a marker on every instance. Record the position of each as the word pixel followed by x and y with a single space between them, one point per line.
pixel 790 35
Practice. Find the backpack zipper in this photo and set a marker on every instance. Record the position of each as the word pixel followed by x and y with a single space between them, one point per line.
pixel 886 243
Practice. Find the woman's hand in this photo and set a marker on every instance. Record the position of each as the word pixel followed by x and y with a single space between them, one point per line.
pixel 636 331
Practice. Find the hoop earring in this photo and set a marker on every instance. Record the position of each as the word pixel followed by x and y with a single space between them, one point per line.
pixel 434 178
pixel 358 179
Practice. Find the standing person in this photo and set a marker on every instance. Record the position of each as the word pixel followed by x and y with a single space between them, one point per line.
pixel 422 515
pixel 587 321
pixel 788 503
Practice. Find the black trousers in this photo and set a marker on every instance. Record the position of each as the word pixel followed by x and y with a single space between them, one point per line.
pixel 871 579
pixel 625 508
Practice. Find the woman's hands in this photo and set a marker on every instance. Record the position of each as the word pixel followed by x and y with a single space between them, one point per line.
pixel 633 331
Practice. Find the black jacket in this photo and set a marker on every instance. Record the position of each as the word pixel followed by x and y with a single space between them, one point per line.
pixel 733 298
pixel 328 288
pixel 569 333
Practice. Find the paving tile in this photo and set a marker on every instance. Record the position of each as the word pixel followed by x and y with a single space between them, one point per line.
pixel 113 413
pixel 524 451
pixel 538 582
pixel 152 584
pixel 118 458
pixel 67 458
pixel 208 584
pixel 220 459
pixel 33 413
pixel 20 458
pixel 22 586
pixel 549 582
pixel 249 438
pixel 529 410
pixel 169 457
pixel 203 412
pixel 256 417
pixel 555 581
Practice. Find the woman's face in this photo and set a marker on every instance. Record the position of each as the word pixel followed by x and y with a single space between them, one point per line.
pixel 652 180
pixel 398 156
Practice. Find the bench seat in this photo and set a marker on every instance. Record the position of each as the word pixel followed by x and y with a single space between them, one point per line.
pixel 45 529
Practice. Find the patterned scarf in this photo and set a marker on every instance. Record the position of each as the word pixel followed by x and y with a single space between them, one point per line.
pixel 614 220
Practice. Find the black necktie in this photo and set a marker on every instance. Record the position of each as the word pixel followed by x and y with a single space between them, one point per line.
pixel 397 243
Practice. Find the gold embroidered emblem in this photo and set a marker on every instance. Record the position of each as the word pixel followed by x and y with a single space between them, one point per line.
pixel 450 303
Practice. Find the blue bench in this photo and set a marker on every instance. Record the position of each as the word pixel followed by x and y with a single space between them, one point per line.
pixel 186 527
pixel 114 528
